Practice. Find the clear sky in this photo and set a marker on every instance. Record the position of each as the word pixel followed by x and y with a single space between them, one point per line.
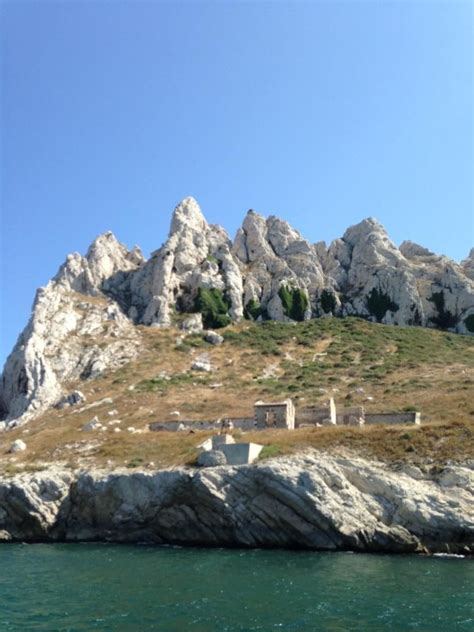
pixel 320 112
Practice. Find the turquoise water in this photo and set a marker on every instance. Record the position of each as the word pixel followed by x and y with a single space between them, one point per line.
pixel 86 587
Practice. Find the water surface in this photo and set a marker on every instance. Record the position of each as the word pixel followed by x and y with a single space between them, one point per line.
pixel 86 587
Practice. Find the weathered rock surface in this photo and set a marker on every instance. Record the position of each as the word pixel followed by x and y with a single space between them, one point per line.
pixel 17 446
pixel 75 331
pixel 83 320
pixel 313 501
pixel 211 458
pixel 213 338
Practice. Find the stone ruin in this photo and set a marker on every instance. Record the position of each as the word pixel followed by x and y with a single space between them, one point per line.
pixel 283 415
pixel 274 415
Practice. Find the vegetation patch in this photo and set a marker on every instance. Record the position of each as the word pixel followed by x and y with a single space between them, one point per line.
pixel 328 302
pixel 214 307
pixel 253 310
pixel 469 322
pixel 378 304
pixel 270 451
pixel 444 319
pixel 294 301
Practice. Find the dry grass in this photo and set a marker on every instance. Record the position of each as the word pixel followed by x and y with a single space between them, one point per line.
pixel 399 368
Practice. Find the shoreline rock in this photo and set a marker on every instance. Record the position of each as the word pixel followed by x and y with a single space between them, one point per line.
pixel 308 501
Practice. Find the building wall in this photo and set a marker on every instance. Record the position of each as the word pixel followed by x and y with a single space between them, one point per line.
pixel 275 416
pixel 313 415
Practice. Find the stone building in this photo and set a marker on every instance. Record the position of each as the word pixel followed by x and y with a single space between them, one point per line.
pixel 275 415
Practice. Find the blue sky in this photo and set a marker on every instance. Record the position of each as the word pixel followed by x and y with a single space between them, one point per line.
pixel 320 112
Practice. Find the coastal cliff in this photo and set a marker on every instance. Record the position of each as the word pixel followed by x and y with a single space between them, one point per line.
pixel 311 500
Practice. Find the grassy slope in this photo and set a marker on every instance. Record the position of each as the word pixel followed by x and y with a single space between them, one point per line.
pixel 401 368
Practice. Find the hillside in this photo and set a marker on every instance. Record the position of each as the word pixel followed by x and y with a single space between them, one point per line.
pixel 385 368
pixel 89 318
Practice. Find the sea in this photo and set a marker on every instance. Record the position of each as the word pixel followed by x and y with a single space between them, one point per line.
pixel 121 588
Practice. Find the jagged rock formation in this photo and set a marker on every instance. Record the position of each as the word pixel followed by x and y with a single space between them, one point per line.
pixel 83 320
pixel 468 265
pixel 75 331
pixel 309 500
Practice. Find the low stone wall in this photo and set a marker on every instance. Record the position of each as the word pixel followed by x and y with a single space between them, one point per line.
pixel 312 416
pixel 175 426
pixel 354 416
pixel 240 423
pixel 393 418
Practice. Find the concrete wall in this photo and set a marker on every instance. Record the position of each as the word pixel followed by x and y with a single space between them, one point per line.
pixel 241 453
pixel 393 418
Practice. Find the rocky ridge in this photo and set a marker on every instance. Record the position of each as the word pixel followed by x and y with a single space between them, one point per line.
pixel 84 321
pixel 310 500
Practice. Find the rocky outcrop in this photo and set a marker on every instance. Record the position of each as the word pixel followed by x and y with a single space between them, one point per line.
pixel 313 501
pixel 195 255
pixel 75 331
pixel 83 320
pixel 468 265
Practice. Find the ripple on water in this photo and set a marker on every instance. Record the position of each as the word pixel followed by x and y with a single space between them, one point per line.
pixel 79 588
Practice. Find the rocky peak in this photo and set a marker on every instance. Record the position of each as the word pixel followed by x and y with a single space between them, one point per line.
pixel 105 258
pixel 468 265
pixel 411 250
pixel 369 229
pixel 187 216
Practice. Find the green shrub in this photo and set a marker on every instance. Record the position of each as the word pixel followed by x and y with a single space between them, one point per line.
pixel 378 304
pixel 294 301
pixel 253 309
pixel 269 451
pixel 469 322
pixel 213 306
pixel 328 302
pixel 444 319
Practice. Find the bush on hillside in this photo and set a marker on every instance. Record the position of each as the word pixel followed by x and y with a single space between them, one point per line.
pixel 328 302
pixel 444 318
pixel 214 307
pixel 295 302
pixel 378 304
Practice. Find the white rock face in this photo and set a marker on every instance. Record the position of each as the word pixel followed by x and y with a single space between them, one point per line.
pixel 468 265
pixel 407 286
pixel 70 334
pixel 195 255
pixel 311 500
pixel 83 321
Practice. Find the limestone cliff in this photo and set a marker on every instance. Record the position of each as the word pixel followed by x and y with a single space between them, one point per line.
pixel 314 501
pixel 83 321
